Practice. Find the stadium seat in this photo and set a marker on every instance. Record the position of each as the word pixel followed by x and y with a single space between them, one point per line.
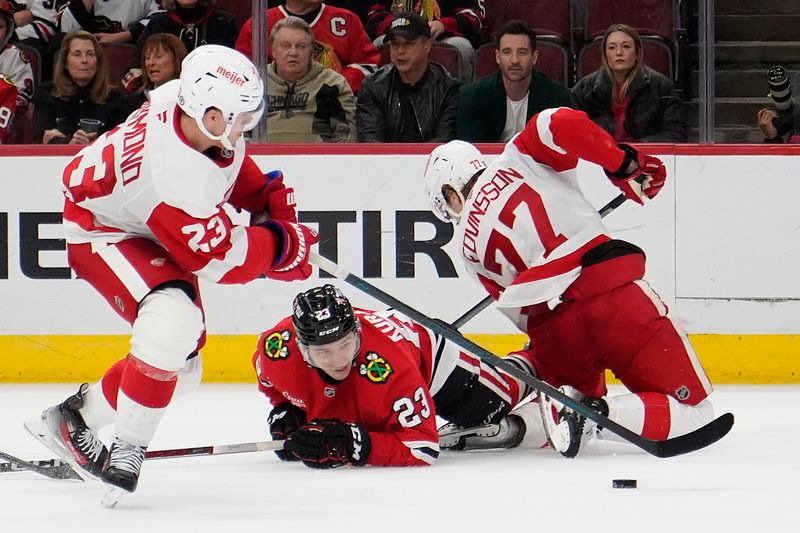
pixel 444 54
pixel 551 18
pixel 648 17
pixel 241 9
pixel 657 55
pixel 553 60
pixel 120 60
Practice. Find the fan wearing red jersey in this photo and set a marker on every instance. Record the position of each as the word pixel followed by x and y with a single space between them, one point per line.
pixel 340 41
pixel 145 218
pixel 353 387
pixel 536 244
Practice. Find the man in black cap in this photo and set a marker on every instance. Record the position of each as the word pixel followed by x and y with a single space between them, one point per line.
pixel 411 99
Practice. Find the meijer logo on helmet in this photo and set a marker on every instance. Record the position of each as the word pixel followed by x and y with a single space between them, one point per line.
pixel 231 76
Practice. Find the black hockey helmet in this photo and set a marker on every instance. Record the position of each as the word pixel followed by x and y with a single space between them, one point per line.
pixel 322 315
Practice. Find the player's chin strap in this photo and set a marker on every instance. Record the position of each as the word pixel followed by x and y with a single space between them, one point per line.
pixel 700 438
pixel 222 138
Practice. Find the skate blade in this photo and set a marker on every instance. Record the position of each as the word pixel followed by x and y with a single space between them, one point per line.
pixel 112 497
pixel 38 430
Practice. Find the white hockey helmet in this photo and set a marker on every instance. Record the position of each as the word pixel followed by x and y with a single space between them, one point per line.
pixel 221 77
pixel 452 164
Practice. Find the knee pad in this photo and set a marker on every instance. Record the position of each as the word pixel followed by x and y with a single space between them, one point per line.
pixel 466 402
pixel 166 329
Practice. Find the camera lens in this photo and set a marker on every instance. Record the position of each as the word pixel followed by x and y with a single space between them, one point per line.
pixel 779 88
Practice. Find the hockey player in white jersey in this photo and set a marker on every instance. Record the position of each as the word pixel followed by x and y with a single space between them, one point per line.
pixel 533 241
pixel 144 220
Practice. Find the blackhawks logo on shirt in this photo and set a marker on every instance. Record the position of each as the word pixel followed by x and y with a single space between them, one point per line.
pixel 376 369
pixel 274 347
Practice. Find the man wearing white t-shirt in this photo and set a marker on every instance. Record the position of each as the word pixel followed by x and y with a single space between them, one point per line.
pixel 496 107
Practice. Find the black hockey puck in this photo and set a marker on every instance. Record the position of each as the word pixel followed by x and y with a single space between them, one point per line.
pixel 624 483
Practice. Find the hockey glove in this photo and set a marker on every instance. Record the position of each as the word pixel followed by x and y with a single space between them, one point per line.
pixel 283 420
pixel 280 202
pixel 294 243
pixel 646 179
pixel 329 443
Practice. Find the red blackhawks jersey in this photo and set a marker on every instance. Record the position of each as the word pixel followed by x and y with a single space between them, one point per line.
pixel 526 224
pixel 344 45
pixel 143 179
pixel 389 390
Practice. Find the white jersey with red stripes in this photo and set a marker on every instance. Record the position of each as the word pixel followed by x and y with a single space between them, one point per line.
pixel 14 64
pixel 527 214
pixel 143 179
pixel 43 26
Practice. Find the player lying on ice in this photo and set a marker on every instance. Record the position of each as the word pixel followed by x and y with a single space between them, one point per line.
pixel 357 387
pixel 529 236
pixel 145 218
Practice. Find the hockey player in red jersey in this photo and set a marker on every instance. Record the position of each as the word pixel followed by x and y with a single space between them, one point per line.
pixel 341 42
pixel 357 387
pixel 535 243
pixel 145 218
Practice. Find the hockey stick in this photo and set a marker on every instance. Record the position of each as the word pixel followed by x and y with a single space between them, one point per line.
pixel 58 469
pixel 486 302
pixel 695 440
pixel 52 468
pixel 220 449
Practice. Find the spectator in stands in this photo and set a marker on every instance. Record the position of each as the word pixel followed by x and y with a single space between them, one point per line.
pixel 162 54
pixel 341 42
pixel 36 27
pixel 776 125
pixel 496 107
pixel 458 23
pixel 16 76
pixel 306 102
pixel 80 90
pixel 195 22
pixel 111 21
pixel 411 99
pixel 626 98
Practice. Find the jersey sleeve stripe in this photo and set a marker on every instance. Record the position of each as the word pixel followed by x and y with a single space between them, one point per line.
pixel 216 269
pixel 425 451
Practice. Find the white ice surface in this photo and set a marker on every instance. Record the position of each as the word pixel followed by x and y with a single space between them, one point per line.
pixel 747 482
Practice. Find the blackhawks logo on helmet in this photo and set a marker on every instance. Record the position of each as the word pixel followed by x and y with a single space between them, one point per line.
pixel 274 345
pixel 376 369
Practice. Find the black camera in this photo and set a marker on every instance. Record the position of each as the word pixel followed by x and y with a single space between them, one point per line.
pixel 780 90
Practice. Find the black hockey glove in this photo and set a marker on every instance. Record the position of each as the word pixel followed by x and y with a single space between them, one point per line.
pixel 283 420
pixel 329 443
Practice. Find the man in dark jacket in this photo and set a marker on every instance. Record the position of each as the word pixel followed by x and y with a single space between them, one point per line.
pixel 497 106
pixel 411 99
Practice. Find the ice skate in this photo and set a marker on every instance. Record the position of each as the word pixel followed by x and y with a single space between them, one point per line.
pixel 63 430
pixel 123 465
pixel 508 433
pixel 569 432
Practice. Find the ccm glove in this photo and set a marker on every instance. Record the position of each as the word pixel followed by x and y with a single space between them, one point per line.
pixel 329 443
pixel 294 243
pixel 279 201
pixel 646 179
pixel 283 420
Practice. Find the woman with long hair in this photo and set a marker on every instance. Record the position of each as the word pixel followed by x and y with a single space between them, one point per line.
pixel 627 98
pixel 80 90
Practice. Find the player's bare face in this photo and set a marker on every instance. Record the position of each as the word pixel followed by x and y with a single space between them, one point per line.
pixel 620 52
pixel 515 58
pixel 336 358
pixel 292 50
pixel 159 65
pixel 410 57
pixel 81 61
pixel 452 199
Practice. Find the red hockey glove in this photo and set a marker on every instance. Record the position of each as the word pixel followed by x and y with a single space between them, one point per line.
pixel 280 202
pixel 284 420
pixel 291 261
pixel 329 443
pixel 646 179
